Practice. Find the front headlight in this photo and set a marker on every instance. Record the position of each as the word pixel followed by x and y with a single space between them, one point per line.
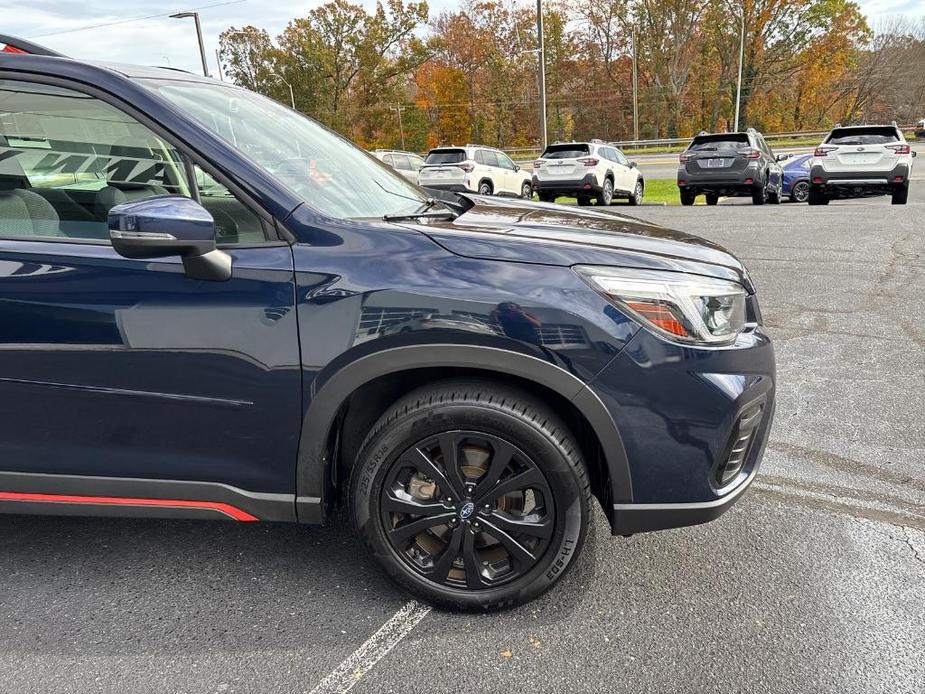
pixel 684 308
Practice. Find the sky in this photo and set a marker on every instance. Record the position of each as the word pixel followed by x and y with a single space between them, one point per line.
pixel 143 33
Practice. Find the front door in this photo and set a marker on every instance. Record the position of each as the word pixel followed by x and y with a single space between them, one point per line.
pixel 127 368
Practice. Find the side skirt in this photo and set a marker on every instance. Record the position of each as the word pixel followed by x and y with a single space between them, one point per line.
pixel 76 495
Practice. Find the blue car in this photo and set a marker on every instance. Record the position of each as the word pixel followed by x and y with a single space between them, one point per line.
pixel 210 307
pixel 796 177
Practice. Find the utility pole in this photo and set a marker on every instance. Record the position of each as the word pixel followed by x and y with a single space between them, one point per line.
pixel 741 59
pixel 286 82
pixel 202 47
pixel 218 61
pixel 401 129
pixel 635 91
pixel 541 55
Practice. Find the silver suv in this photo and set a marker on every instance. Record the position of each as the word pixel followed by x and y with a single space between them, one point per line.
pixel 476 169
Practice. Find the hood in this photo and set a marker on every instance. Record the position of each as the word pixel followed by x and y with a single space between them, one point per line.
pixel 523 231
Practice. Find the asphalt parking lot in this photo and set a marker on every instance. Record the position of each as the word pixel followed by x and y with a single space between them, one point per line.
pixel 814 582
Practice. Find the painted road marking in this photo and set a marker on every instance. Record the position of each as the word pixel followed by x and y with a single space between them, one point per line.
pixel 376 647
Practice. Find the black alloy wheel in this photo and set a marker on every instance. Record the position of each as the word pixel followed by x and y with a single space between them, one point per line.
pixel 467 510
pixel 485 188
pixel 799 192
pixel 471 495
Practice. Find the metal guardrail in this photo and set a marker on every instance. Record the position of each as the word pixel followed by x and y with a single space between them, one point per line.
pixel 667 142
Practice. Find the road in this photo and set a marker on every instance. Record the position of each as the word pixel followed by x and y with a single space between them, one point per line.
pixel 814 582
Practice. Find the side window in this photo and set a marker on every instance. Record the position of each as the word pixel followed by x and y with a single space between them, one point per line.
pixel 491 159
pixel 504 161
pixel 235 222
pixel 67 158
pixel 387 158
pixel 480 157
pixel 619 157
pixel 416 162
pixel 401 162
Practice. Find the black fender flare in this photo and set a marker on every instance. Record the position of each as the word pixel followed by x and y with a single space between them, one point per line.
pixel 335 389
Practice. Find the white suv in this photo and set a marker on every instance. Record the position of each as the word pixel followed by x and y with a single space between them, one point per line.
pixel 474 168
pixel 587 170
pixel 861 160
pixel 406 163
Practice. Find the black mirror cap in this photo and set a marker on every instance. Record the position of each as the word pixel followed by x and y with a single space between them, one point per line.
pixel 633 165
pixel 169 225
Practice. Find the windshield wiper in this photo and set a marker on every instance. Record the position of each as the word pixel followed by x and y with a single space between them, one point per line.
pixel 423 212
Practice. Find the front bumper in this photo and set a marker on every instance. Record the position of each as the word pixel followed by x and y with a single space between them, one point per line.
pixel 678 411
pixel 587 184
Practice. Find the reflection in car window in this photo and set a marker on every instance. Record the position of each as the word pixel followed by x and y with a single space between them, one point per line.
pixel 863 136
pixel 329 173
pixel 706 143
pixel 66 158
pixel 446 156
pixel 490 157
pixel 565 151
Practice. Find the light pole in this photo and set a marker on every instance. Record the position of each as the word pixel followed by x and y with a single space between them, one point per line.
pixel 218 62
pixel 741 58
pixel 635 92
pixel 401 129
pixel 541 56
pixel 286 82
pixel 202 47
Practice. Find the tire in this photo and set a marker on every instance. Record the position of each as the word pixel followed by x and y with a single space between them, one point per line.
pixel 799 191
pixel 817 196
pixel 526 191
pixel 606 195
pixel 485 188
pixel 547 197
pixel 774 197
pixel 712 198
pixel 687 198
pixel 442 558
pixel 638 192
pixel 584 200
pixel 759 196
pixel 900 194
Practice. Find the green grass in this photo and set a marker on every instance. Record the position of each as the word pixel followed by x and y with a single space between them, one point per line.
pixel 657 190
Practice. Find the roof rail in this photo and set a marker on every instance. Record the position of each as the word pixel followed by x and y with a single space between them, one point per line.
pixel 14 44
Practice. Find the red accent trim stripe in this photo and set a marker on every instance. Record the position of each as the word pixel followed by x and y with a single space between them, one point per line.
pixel 227 509
pixel 8 48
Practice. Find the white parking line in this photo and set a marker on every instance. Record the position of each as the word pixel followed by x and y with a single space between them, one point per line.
pixel 376 647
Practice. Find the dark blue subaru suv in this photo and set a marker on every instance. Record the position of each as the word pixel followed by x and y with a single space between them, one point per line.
pixel 213 307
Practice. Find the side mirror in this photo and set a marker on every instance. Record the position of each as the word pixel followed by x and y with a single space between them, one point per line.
pixel 169 225
pixel 783 157
pixel 516 167
pixel 632 165
pixel 914 154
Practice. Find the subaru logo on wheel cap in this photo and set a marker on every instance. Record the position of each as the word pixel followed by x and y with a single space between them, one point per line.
pixel 466 510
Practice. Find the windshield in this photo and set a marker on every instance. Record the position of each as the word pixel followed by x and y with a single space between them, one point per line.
pixel 446 156
pixel 712 143
pixel 565 152
pixel 863 136
pixel 329 173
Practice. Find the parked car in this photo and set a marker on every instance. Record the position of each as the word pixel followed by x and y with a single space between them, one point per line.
pixel 920 130
pixel 408 164
pixel 730 164
pixel 475 168
pixel 592 170
pixel 155 366
pixel 796 177
pixel 861 160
